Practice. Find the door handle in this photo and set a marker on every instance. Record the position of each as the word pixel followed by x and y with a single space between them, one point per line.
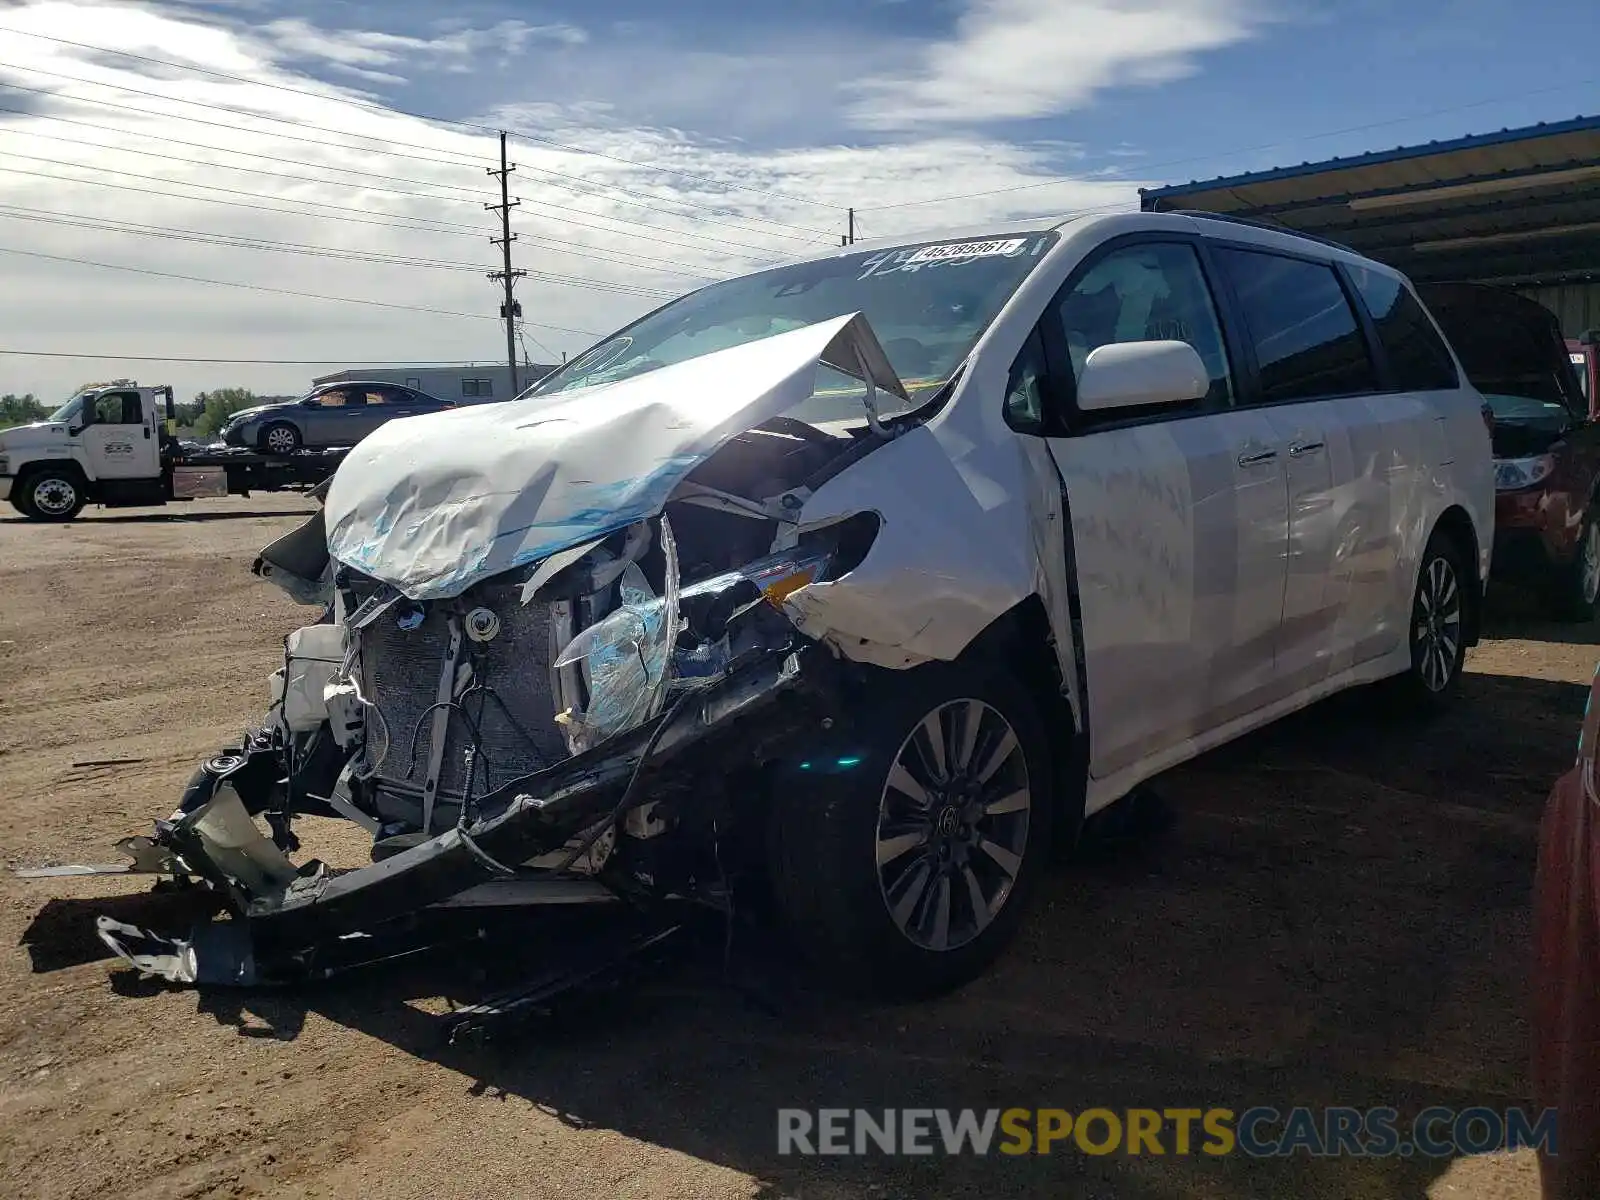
pixel 1254 458
pixel 1301 449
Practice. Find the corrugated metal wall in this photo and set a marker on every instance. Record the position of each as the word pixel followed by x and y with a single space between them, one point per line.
pixel 1576 304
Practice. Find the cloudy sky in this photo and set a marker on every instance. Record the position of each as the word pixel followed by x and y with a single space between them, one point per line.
pixel 324 161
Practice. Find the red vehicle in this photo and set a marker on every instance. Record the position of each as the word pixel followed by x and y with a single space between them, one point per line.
pixel 1546 440
pixel 1585 355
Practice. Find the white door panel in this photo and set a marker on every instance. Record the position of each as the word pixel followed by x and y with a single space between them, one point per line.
pixel 114 448
pixel 1315 589
pixel 1179 542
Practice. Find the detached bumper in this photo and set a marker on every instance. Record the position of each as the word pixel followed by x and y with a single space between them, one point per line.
pixel 286 925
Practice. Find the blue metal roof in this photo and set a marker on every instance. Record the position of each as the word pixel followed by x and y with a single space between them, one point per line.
pixel 1477 141
pixel 1519 204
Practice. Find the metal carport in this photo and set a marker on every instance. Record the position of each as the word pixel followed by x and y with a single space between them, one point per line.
pixel 1519 208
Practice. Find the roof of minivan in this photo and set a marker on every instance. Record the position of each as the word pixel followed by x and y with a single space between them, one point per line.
pixel 1221 226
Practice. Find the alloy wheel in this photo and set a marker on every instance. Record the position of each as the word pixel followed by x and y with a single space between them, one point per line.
pixel 55 496
pixel 1437 619
pixel 1589 571
pixel 281 440
pixel 953 824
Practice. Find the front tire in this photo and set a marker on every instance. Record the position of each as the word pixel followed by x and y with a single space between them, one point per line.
pixel 280 438
pixel 1437 631
pixel 905 852
pixel 52 495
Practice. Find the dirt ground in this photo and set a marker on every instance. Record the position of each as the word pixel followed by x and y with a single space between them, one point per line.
pixel 1335 913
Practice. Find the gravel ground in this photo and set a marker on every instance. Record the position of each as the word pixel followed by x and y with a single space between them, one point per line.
pixel 1332 912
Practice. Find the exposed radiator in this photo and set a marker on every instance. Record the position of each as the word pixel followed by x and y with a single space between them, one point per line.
pixel 514 710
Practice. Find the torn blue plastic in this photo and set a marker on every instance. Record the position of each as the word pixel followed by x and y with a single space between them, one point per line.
pixel 626 655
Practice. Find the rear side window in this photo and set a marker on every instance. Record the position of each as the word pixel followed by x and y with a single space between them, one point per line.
pixel 1417 354
pixel 1307 340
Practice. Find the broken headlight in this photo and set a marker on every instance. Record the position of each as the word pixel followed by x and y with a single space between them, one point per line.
pixel 625 655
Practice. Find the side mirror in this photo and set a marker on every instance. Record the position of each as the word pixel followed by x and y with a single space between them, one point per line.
pixel 310 402
pixel 1141 374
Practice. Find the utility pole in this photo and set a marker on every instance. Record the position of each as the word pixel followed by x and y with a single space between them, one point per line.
pixel 509 308
pixel 850 238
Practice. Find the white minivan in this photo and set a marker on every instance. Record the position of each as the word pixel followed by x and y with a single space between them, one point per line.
pixel 858 581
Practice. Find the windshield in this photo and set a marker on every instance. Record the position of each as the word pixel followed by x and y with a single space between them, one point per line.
pixel 67 411
pixel 928 302
pixel 1544 415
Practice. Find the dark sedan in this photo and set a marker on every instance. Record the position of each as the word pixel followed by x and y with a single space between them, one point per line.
pixel 335 414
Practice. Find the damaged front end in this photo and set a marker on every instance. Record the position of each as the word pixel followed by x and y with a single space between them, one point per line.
pixel 579 706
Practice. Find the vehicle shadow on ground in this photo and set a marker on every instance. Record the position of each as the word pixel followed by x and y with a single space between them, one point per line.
pixel 1513 612
pixel 1332 911
pixel 177 518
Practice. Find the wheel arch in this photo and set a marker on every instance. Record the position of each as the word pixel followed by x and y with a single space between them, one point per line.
pixel 1022 642
pixel 1455 523
pixel 271 423
pixel 27 473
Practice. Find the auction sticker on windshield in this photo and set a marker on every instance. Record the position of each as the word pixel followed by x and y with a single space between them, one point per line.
pixel 952 250
pixel 948 254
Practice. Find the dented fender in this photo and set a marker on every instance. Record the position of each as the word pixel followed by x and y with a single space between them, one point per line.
pixel 953 552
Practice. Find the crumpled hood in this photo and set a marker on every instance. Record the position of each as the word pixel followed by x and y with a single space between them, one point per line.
pixel 433 504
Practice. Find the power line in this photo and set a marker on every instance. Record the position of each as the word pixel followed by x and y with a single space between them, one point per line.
pixel 471 196
pixel 766 254
pixel 465 160
pixel 1178 162
pixel 148 112
pixel 655 206
pixel 277 87
pixel 274 158
pixel 254 287
pixel 369 174
pixel 576 249
pixel 721 183
pixel 263 362
pixel 244 242
pixel 434 120
pixel 423 224
pixel 200 162
pixel 433 224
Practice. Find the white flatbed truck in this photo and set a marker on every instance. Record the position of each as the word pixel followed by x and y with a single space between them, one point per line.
pixel 116 446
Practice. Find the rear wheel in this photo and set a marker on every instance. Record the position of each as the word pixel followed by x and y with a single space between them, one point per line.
pixel 280 438
pixel 1438 627
pixel 904 854
pixel 1574 592
pixel 53 495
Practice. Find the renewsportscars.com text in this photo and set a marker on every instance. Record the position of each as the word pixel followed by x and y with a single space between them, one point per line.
pixel 1258 1132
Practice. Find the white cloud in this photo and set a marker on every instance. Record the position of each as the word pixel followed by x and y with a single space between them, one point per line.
pixel 574 221
pixel 455 50
pixel 1020 59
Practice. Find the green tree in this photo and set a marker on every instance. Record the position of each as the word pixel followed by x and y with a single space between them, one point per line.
pixel 19 410
pixel 214 408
